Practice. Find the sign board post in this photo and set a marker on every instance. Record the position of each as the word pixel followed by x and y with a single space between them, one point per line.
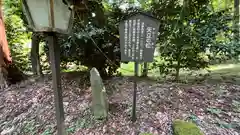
pixel 138 34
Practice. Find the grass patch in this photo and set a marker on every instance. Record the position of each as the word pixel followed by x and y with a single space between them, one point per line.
pixel 127 69
pixel 185 128
pixel 221 72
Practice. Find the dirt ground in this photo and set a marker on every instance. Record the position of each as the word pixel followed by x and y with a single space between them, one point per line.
pixel 28 108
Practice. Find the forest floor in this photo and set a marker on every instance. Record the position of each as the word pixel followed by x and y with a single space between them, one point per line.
pixel 213 104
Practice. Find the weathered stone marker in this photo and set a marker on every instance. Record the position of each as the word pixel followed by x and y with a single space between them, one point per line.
pixel 99 96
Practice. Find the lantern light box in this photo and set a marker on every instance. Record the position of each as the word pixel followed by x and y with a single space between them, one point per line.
pixel 48 15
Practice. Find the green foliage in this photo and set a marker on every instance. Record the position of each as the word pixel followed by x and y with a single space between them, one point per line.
pixel 221 45
pixel 16 34
pixel 187 31
pixel 179 47
pixel 93 39
pixel 185 128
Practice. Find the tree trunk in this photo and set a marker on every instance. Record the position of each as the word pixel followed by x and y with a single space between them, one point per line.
pixel 177 72
pixel 178 66
pixel 145 69
pixel 35 58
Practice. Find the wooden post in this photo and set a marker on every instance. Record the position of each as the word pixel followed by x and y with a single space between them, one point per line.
pixel 134 117
pixel 54 50
pixel 35 58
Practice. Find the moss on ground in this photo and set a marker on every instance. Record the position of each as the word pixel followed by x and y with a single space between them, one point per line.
pixel 185 128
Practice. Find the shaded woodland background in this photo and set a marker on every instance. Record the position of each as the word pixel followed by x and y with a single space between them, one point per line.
pixel 192 36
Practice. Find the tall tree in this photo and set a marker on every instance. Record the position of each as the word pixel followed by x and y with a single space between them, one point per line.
pixel 187 28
